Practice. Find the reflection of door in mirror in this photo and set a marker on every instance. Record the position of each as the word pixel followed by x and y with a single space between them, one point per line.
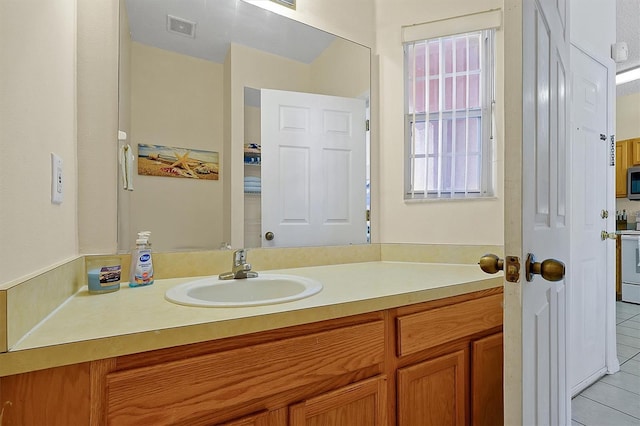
pixel 313 163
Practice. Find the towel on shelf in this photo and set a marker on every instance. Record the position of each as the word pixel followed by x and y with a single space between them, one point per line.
pixel 252 179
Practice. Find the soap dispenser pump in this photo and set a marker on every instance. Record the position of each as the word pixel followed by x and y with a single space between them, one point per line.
pixel 141 271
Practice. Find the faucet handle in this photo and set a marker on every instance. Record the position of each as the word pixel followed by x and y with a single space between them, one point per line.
pixel 239 257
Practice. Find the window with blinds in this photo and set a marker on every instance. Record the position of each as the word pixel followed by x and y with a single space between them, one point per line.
pixel 448 116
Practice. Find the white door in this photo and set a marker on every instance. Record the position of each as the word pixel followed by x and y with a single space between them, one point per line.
pixel 313 169
pixel 592 290
pixel 536 209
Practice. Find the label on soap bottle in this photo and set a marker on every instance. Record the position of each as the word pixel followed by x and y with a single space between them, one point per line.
pixel 144 268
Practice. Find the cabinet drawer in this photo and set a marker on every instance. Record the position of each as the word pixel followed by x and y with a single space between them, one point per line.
pixel 424 330
pixel 174 392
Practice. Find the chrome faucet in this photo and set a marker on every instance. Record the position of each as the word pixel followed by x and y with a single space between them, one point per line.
pixel 241 269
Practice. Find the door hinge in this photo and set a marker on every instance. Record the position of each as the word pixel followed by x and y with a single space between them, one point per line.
pixel 612 152
pixel 366 125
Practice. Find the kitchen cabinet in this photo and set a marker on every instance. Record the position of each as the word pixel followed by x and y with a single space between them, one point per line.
pixel 438 362
pixel 622 164
pixel 634 149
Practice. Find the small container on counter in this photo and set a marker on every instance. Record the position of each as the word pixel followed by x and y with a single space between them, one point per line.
pixel 103 274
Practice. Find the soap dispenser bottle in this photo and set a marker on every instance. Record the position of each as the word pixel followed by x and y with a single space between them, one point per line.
pixel 141 272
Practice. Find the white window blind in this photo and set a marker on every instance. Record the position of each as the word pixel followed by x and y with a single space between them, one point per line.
pixel 448 116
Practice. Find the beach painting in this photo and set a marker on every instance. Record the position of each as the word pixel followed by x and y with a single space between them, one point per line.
pixel 169 161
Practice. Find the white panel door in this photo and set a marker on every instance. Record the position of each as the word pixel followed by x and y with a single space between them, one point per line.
pixel 537 153
pixel 313 169
pixel 592 278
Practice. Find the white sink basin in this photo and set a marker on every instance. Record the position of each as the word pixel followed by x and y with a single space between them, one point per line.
pixel 265 289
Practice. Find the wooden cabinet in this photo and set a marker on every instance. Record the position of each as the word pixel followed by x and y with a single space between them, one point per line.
pixel 486 380
pixel 634 151
pixel 261 419
pixel 451 363
pixel 438 362
pixel 434 392
pixel 360 404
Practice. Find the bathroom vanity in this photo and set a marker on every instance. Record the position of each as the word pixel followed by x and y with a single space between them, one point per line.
pixel 425 349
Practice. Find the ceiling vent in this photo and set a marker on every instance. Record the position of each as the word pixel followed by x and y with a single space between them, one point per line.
pixel 288 3
pixel 181 26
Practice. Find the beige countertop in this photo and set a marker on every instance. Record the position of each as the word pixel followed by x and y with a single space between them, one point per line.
pixel 89 327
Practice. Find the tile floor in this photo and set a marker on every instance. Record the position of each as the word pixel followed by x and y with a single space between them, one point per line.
pixel 614 400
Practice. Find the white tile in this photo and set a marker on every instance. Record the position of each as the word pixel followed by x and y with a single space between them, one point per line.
pixel 625 351
pixel 628 331
pixel 614 397
pixel 624 381
pixel 631 323
pixel 631 308
pixel 623 316
pixel 589 412
pixel 633 342
pixel 631 366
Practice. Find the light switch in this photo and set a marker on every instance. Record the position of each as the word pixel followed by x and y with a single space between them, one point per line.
pixel 57 187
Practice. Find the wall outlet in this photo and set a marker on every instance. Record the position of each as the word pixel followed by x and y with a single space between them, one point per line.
pixel 57 187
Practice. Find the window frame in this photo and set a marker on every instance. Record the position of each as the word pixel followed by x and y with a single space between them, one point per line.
pixel 485 111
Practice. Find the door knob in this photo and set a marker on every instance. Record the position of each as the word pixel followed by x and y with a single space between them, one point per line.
pixel 491 264
pixel 550 269
pixel 269 236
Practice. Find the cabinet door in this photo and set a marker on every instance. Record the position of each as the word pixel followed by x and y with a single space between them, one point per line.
pixel 360 404
pixel 635 151
pixel 486 381
pixel 434 392
pixel 622 163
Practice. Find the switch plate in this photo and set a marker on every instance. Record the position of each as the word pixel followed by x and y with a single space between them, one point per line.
pixel 57 187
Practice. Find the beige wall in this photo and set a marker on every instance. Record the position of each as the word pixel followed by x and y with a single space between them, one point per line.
pixel 343 69
pixel 435 222
pixel 37 117
pixel 177 101
pixel 628 117
pixel 97 97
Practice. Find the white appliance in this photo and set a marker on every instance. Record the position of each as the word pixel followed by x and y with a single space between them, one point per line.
pixel 630 267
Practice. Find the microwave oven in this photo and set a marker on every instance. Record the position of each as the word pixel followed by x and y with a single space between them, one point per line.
pixel 633 183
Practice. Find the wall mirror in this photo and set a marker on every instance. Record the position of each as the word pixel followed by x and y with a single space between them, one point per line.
pixel 194 78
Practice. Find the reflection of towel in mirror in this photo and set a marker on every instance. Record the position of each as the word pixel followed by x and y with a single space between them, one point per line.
pixel 126 164
pixel 252 184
